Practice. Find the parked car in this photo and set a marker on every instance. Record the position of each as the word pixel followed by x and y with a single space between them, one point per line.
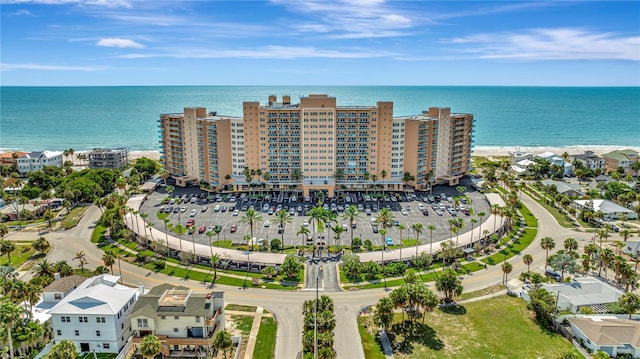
pixel 236 212
pixel 204 209
pixel 233 228
pixel 193 213
pixel 267 223
pixel 191 222
pixel 202 229
pixel 388 241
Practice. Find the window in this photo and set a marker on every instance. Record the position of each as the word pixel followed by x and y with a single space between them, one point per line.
pixel 83 319
pixel 197 319
pixel 59 332
pixel 77 333
pixel 175 330
pixel 97 333
pixel 57 296
pixel 176 317
pixel 100 319
pixel 162 317
pixel 106 345
pixel 142 323
pixel 66 319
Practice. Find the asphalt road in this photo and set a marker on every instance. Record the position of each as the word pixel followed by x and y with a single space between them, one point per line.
pixel 287 306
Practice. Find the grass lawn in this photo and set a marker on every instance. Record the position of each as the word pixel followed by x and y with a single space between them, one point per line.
pixel 98 355
pixel 467 332
pixel 20 255
pixel 71 219
pixel 370 339
pixel 479 293
pixel 222 243
pixel 266 339
pixel 243 323
pixel 98 233
pixel 241 308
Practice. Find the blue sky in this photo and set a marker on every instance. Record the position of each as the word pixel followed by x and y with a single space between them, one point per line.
pixel 308 42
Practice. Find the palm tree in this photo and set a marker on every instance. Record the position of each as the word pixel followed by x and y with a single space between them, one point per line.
pixel 480 215
pixel 383 315
pixel 222 341
pixel 495 210
pixel 350 214
pixel 179 230
pixel 606 258
pixel 337 231
pixel 527 259
pixel 41 245
pixel 383 175
pixel 4 230
pixel 431 228
pixel 547 243
pixel 215 262
pixel 417 227
pixel 383 232
pixel 81 257
pixel 630 302
pixel 109 260
pixel 570 244
pixel 251 216
pixel 304 230
pixel 317 215
pixel 506 269
pixel 282 218
pixel 7 247
pixel 210 234
pixel 625 233
pixel 63 268
pixel 9 315
pixel 449 284
pixel 401 228
pixel 150 346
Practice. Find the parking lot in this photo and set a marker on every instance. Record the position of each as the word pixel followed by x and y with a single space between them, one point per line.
pixel 226 210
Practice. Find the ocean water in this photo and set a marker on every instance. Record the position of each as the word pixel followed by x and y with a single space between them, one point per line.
pixel 83 118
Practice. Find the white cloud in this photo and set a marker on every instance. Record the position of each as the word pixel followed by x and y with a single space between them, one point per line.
pixel 16 67
pixel 268 52
pixel 552 44
pixel 119 42
pixel 103 3
pixel 22 12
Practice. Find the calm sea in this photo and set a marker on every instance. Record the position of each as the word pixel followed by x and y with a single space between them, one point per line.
pixel 88 117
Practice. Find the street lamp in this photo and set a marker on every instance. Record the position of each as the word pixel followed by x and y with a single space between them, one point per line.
pixel 315 324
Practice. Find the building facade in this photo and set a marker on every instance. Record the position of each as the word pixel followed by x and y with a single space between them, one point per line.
pixel 621 159
pixel 94 315
pixel 184 320
pixel 106 158
pixel 317 145
pixel 37 160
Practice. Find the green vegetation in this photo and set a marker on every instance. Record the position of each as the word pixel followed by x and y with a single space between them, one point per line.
pixel 479 293
pixel 71 219
pixel 528 235
pixel 266 339
pixel 98 234
pixel 370 339
pixel 465 332
pixel 241 308
pixel 223 243
pixel 19 256
pixel 98 355
pixel 243 324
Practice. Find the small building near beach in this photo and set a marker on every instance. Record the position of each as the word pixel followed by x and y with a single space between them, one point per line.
pixel 108 158
pixel 564 188
pixel 621 159
pixel 590 160
pixel 582 292
pixel 612 335
pixel 611 210
pixel 37 160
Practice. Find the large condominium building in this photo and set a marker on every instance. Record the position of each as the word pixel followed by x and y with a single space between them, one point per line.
pixel 317 145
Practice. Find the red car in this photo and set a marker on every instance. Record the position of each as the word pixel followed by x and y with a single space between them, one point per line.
pixel 202 229
pixel 191 222
pixel 233 228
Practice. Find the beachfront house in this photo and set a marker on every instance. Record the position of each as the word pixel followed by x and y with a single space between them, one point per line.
pixel 558 161
pixel 37 160
pixel 590 161
pixel 620 159
pixel 611 210
pixel 184 320
pixel 108 158
pixel 612 335
pixel 94 315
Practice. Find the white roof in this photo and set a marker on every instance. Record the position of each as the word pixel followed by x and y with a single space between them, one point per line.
pixel 42 154
pixel 518 169
pixel 547 155
pixel 525 163
pixel 605 206
pixel 97 295
pixel 585 291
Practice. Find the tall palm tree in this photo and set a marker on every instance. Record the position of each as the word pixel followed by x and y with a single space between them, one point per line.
pixel 547 243
pixel 150 346
pixel 570 244
pixel 282 218
pixel 527 259
pixel 350 214
pixel 630 302
pixel 317 214
pixel 431 228
pixel 506 269
pixel 222 341
pixel 449 284
pixel 166 233
pixel 179 230
pixel 9 315
pixel 109 260
pixel 81 258
pixel 251 216
pixel 417 227
pixel 495 210
pixel 6 246
pixel 304 230
pixel 383 175
pixel 337 231
pixel 209 235
pixel 215 262
pixel 480 216
pixel 401 228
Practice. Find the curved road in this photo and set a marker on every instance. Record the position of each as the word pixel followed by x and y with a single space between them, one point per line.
pixel 287 306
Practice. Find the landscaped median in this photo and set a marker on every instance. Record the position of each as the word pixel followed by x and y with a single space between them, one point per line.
pixel 130 252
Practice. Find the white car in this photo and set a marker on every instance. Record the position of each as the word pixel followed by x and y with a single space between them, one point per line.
pixel 193 213
pixel 267 223
pixel 236 212
pixel 183 209
pixel 404 212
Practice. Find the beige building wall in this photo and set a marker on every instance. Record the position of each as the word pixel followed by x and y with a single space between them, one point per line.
pixel 254 130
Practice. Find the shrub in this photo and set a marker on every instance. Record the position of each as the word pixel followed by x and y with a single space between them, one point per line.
pixel 159 264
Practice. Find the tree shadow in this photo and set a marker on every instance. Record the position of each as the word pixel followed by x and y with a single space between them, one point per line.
pixel 405 335
pixel 454 309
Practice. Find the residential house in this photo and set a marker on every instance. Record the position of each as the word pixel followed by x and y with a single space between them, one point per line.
pixel 37 160
pixel 564 188
pixel 620 158
pixel 10 158
pixel 94 315
pixel 558 161
pixel 517 156
pixel 108 158
pixel 184 320
pixel 612 335
pixel 632 248
pixel 522 166
pixel 590 160
pixel 11 210
pixel 611 210
pixel 582 292
pixel 54 293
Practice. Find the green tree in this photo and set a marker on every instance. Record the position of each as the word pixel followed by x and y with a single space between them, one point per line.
pixel 150 346
pixel 543 305
pixel 506 269
pixel 449 284
pixel 352 266
pixel 82 260
pixel 215 262
pixel 417 227
pixel 41 245
pixel 282 219
pixel 9 315
pixel 291 266
pixel 251 216
pixel 527 259
pixel 570 244
pixel 630 302
pixel 337 232
pixel 109 260
pixel 351 214
pixel 64 349
pixel 547 243
pixel 6 247
pixel 179 230
pixel 4 230
pixel 383 315
pixel 222 341
pixel 563 262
